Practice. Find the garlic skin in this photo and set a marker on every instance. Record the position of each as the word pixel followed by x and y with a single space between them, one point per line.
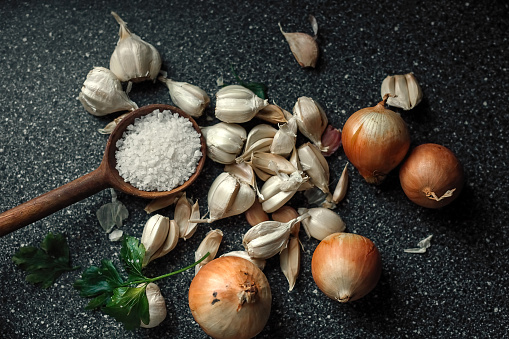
pixel 346 266
pixel 321 222
pixel 224 141
pixel 102 94
pixel 341 187
pixel 289 261
pixel 237 104
pixel 154 234
pixel 190 98
pixel 133 59
pixel 404 91
pixel 274 114
pixel 156 306
pixel 303 46
pixel 209 244
pixel 311 120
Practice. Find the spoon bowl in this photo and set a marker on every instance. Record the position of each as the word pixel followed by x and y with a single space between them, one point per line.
pixel 105 176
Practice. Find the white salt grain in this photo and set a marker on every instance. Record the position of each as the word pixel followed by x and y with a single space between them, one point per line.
pixel 158 152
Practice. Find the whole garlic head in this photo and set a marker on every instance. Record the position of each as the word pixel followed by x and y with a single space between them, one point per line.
pixel 237 104
pixel 404 91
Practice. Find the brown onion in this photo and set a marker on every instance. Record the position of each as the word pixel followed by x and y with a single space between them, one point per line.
pixel 432 176
pixel 375 140
pixel 346 266
pixel 230 298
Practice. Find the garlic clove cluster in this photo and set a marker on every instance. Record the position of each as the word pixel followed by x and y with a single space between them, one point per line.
pixel 237 104
pixel 190 98
pixel 311 120
pixel 303 46
pixel 315 166
pixel 102 93
pixel 404 91
pixel 156 306
pixel 184 211
pixel 321 222
pixel 159 237
pixel 133 59
pixel 224 141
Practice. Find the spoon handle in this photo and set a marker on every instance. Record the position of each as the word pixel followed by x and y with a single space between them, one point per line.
pixel 53 201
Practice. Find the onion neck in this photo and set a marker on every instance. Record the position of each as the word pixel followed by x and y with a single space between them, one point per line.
pixel 432 195
pixel 247 294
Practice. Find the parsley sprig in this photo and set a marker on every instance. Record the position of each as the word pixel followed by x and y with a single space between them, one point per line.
pixel 123 299
pixel 258 88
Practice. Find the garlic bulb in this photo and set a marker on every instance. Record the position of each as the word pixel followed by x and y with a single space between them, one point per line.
pixel 321 222
pixel 311 120
pixel 133 59
pixel 285 138
pixel 154 234
pixel 230 298
pixel 156 306
pixel 224 141
pixel 190 98
pixel 303 46
pixel 404 91
pixel 237 104
pixel 346 266
pixel 102 93
pixel 210 244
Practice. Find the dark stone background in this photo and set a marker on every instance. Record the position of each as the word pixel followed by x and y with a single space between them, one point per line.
pixel 457 49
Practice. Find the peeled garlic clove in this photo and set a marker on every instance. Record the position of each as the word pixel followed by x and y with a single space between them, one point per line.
pixel 224 141
pixel 321 222
pixel 209 244
pixel 237 104
pixel 169 243
pixel 273 114
pixel 154 234
pixel 156 306
pixel 260 263
pixel 285 138
pixel 102 94
pixel 190 98
pixel 289 261
pixel 311 120
pixel 315 166
pixel 404 91
pixel 342 185
pixel 303 46
pixel 133 59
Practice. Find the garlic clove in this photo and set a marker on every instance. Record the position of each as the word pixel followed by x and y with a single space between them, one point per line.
pixel 260 263
pixel 331 139
pixel 102 94
pixel 154 234
pixel 133 59
pixel 341 187
pixel 224 141
pixel 273 114
pixel 190 98
pixel 303 46
pixel 285 138
pixel 255 214
pixel 169 243
pixel 289 261
pixel 159 203
pixel 111 126
pixel 209 244
pixel 237 104
pixel 315 166
pixel 271 163
pixel 278 190
pixel 414 89
pixel 285 214
pixel 262 146
pixel 259 132
pixel 311 120
pixel 156 306
pixel 243 172
pixel 184 211
pixel 403 90
pixel 321 222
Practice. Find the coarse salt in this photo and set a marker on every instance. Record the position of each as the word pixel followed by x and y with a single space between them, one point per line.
pixel 158 151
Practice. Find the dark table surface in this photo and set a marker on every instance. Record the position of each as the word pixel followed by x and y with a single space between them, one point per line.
pixel 457 49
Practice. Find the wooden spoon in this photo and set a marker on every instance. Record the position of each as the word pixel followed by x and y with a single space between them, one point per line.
pixel 105 176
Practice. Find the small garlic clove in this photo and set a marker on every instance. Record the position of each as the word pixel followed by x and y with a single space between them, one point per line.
pixel 209 244
pixel 259 132
pixel 321 222
pixel 159 203
pixel 255 214
pixel 289 261
pixel 184 211
pixel 331 139
pixel 237 104
pixel 311 120
pixel 341 187
pixel 133 59
pixel 271 163
pixel 315 166
pixel 154 234
pixel 278 190
pixel 303 46
pixel 169 243
pixel 273 114
pixel 403 90
pixel 156 306
pixel 102 94
pixel 111 126
pixel 190 98
pixel 260 263
pixel 285 138
pixel 261 146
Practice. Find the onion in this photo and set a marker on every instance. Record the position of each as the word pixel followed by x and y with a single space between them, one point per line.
pixel 432 176
pixel 375 140
pixel 346 266
pixel 230 298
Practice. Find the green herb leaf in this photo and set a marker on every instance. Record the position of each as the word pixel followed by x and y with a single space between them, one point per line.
pixel 132 254
pixel 44 265
pixel 129 305
pixel 258 88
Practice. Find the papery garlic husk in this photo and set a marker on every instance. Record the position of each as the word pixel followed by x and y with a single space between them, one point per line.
pixel 255 214
pixel 311 120
pixel 184 211
pixel 224 141
pixel 190 98
pixel 279 189
pixel 156 306
pixel 209 244
pixel 341 187
pixel 102 93
pixel 154 234
pixel 303 46
pixel 260 263
pixel 169 243
pixel 133 59
pixel 404 91
pixel 274 114
pixel 315 166
pixel 285 138
pixel 268 238
pixel 159 203
pixel 237 104
pixel 266 165
pixel 111 125
pixel 289 261
pixel 346 266
pixel 321 222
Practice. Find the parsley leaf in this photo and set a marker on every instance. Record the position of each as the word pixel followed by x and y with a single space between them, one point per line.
pixel 258 88
pixel 129 305
pixel 45 264
pixel 132 254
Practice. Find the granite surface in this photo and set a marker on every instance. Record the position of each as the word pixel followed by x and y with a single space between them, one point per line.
pixel 458 50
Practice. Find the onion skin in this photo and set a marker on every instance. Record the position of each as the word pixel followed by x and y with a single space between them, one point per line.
pixel 346 266
pixel 230 298
pixel 375 140
pixel 429 172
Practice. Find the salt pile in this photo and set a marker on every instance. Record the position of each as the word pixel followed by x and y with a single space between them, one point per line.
pixel 158 152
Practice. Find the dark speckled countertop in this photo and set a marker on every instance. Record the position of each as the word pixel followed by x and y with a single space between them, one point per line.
pixel 457 49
